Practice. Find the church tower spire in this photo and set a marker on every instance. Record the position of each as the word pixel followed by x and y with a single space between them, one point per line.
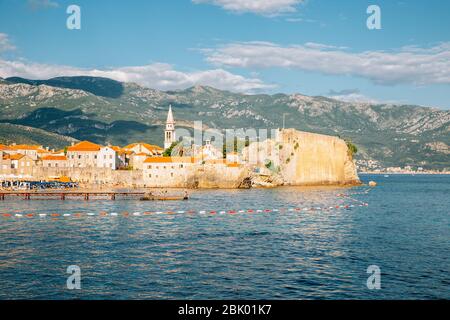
pixel 169 134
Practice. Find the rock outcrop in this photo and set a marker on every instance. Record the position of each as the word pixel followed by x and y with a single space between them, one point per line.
pixel 220 177
pixel 303 158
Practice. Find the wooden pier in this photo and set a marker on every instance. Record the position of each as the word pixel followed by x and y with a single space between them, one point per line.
pixel 63 195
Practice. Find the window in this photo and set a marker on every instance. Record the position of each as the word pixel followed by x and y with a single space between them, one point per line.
pixel 49 165
pixel 56 165
pixel 149 175
pixel 79 156
pixel 171 174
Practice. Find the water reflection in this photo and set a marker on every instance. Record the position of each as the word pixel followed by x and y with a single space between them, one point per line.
pixel 285 254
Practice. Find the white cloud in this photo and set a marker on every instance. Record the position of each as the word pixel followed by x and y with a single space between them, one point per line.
pixel 300 19
pixel 262 7
pixel 443 46
pixel 354 98
pixel 408 65
pixel 5 43
pixel 42 4
pixel 320 46
pixel 350 95
pixel 157 75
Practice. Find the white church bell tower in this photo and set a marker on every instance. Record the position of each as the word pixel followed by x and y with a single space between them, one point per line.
pixel 169 135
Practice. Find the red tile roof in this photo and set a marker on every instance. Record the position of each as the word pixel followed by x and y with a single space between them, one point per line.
pixel 84 146
pixel 169 160
pixel 25 147
pixel 16 156
pixel 116 148
pixel 233 165
pixel 52 157
pixel 149 147
pixel 3 147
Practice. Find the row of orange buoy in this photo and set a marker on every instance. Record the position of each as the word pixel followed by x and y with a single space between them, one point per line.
pixel 200 212
pixel 362 192
pixel 349 197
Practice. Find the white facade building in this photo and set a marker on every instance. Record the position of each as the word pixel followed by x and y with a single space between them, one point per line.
pixel 108 158
pixel 167 171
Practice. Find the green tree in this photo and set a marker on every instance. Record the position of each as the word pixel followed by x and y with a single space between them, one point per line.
pixel 224 150
pixel 352 149
pixel 168 151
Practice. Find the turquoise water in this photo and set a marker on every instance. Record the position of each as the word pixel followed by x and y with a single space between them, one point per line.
pixel 320 253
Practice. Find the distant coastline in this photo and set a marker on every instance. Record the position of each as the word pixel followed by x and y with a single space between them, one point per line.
pixel 406 173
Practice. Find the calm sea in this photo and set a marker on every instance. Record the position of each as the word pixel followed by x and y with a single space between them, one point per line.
pixel 297 254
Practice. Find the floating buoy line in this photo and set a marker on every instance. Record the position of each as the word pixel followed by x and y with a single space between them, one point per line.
pixel 198 212
pixel 348 206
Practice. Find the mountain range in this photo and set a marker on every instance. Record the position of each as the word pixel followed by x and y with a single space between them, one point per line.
pixel 108 111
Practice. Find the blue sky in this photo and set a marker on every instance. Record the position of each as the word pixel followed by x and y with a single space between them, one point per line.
pixel 313 47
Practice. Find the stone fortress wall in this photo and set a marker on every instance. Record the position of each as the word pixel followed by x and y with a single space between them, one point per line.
pixel 303 158
pixel 292 158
